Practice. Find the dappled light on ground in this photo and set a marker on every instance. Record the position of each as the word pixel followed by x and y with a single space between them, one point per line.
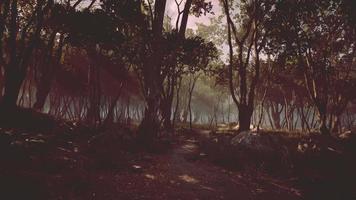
pixel 189 147
pixel 188 179
pixel 150 176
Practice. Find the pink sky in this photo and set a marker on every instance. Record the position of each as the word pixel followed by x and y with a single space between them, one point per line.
pixel 171 10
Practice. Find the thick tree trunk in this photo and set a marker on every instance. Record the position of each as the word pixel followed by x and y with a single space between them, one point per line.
pixel 245 114
pixel 150 124
pixel 13 82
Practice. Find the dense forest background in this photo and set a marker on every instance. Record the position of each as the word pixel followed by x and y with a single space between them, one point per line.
pixel 272 64
pixel 145 67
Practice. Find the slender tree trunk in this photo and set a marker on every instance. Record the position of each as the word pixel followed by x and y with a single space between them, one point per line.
pixel 322 110
pixel 167 114
pixel 177 103
pixel 184 22
pixel 191 89
pixel 276 115
pixel 261 110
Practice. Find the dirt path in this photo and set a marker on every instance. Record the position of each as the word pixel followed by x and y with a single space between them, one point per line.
pixel 182 172
pixel 185 173
pixel 70 169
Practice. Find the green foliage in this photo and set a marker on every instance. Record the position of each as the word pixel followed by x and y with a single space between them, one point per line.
pixel 90 28
pixel 191 55
pixel 200 7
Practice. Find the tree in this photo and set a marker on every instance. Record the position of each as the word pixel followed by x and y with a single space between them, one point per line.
pixel 250 39
pixel 156 67
pixel 23 22
pixel 320 40
pixel 191 56
pixel 150 72
pixel 54 41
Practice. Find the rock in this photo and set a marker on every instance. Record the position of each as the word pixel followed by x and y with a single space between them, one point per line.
pixel 255 141
pixel 261 150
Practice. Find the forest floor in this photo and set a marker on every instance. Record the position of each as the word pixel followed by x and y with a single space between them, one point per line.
pixel 184 173
pixel 41 167
pixel 73 162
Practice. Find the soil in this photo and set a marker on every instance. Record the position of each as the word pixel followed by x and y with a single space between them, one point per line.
pixel 67 169
pixel 185 173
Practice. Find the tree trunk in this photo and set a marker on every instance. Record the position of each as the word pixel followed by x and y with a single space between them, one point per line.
pixel 276 115
pixel 176 110
pixel 167 102
pixel 191 89
pixel 184 22
pixel 149 126
pixel 41 95
pixel 323 128
pixel 13 82
pixel 245 114
pixel 48 72
pixel 167 113
pixel 322 109
pixel 93 114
